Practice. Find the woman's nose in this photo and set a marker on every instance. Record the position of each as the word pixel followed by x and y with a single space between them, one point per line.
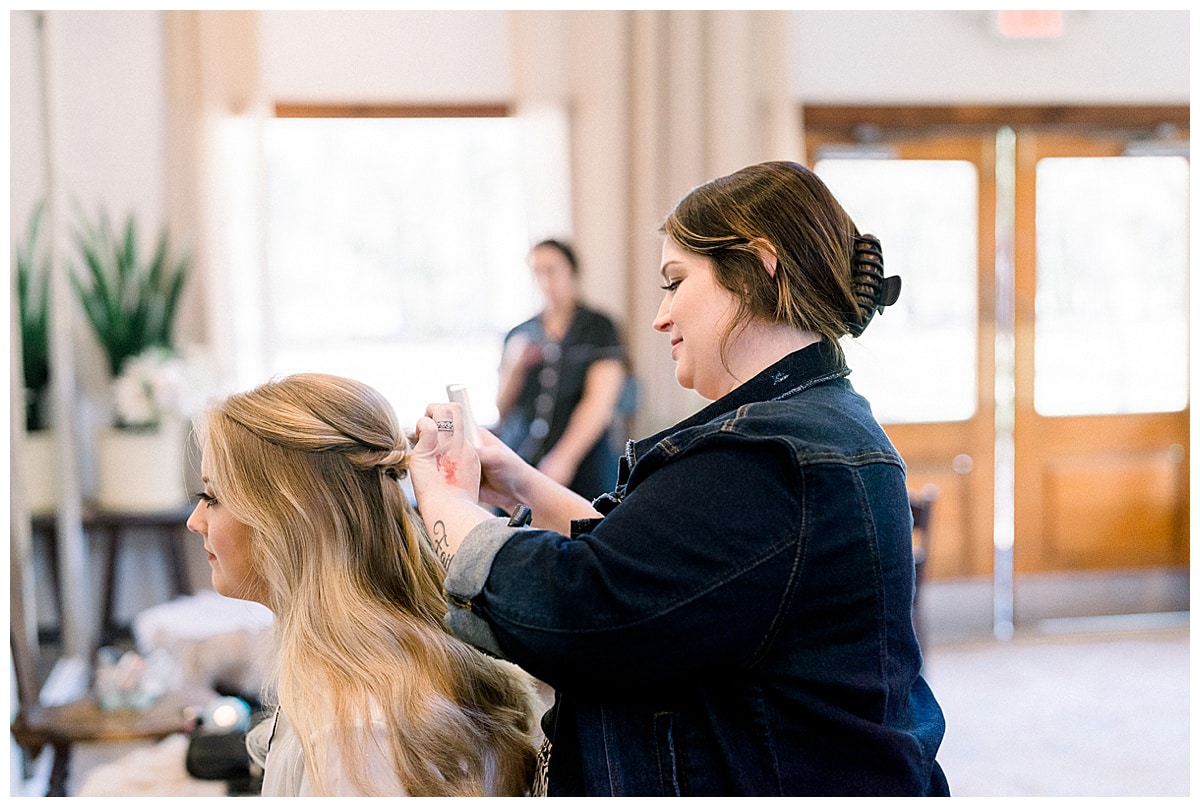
pixel 662 320
pixel 195 522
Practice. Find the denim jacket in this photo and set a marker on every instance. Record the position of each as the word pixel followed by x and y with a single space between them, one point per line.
pixel 740 621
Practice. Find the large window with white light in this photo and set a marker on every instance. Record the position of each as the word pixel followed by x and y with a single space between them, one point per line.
pixel 395 252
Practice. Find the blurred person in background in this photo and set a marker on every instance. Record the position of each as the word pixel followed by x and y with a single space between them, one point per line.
pixel 562 375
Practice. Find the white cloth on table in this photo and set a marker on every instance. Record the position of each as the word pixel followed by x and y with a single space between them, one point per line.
pixel 214 639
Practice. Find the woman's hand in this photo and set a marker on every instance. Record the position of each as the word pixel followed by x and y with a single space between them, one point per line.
pixel 442 461
pixel 558 466
pixel 445 476
pixel 522 353
pixel 501 472
pixel 508 481
pixel 447 472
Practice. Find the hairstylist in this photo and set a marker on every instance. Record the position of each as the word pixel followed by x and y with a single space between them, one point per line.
pixel 736 617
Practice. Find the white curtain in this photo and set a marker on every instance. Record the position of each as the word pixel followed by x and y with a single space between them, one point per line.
pixel 215 108
pixel 656 102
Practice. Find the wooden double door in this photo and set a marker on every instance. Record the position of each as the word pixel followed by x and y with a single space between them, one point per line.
pixel 1036 367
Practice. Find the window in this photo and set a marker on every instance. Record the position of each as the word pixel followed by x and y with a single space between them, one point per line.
pixel 1112 285
pixel 395 253
pixel 925 213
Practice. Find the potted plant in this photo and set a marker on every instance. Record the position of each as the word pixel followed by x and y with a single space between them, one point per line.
pixel 33 310
pixel 131 303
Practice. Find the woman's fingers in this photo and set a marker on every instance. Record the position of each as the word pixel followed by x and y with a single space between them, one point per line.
pixel 442 455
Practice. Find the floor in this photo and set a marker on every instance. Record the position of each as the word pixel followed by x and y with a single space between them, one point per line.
pixel 1102 713
pixel 1073 704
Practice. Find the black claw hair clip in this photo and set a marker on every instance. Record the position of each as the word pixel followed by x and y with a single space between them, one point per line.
pixel 872 291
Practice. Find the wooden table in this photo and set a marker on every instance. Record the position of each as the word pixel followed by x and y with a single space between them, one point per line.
pixel 84 721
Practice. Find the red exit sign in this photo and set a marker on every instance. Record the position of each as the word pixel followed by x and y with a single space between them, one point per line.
pixel 1030 24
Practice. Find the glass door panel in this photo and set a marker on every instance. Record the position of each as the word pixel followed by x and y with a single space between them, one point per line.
pixel 1112 285
pixel 925 213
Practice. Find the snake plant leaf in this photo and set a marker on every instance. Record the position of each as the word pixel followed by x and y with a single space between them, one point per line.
pixel 127 258
pixel 33 304
pixel 130 304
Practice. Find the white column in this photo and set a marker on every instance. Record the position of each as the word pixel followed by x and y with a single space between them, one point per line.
pixel 77 620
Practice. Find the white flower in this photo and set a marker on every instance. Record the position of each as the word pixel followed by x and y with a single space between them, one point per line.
pixel 134 402
pixel 149 389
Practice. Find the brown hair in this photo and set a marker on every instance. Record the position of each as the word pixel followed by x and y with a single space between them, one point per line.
pixel 785 209
pixel 564 248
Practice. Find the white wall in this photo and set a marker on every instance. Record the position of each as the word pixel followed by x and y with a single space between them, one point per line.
pixel 106 69
pixel 859 57
pixel 957 57
pixel 386 56
pixel 110 83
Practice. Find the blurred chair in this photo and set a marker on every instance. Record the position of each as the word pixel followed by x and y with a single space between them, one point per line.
pixel 921 502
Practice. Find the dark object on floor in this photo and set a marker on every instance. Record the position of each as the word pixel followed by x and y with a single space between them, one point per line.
pixel 222 755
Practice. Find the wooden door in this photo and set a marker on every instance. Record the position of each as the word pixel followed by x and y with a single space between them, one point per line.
pixel 1074 453
pixel 1101 410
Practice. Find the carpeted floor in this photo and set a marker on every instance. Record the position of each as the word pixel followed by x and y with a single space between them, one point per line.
pixel 1084 714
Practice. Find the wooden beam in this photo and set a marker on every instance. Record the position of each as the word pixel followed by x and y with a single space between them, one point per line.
pixel 849 121
pixel 296 110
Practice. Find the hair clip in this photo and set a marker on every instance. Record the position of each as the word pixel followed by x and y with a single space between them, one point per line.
pixel 872 291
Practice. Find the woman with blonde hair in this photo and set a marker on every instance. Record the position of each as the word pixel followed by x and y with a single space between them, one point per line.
pixel 303 511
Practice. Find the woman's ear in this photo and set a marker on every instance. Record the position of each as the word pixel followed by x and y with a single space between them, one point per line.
pixel 766 253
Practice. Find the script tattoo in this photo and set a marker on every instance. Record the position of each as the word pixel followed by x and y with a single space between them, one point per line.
pixel 441 544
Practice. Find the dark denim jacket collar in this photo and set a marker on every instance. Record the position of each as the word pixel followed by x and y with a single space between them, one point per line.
pixel 793 373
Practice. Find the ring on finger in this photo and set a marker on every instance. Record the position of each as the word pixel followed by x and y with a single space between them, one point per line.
pixel 445 425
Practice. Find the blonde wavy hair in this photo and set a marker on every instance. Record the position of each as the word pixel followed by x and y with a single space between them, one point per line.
pixel 312 464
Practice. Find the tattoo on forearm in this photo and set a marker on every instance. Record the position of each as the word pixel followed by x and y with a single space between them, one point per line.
pixel 441 543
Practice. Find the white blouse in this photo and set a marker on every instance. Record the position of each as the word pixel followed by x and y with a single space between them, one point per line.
pixel 273 744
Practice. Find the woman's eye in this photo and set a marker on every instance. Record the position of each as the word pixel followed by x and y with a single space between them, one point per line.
pixel 674 284
pixel 204 497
